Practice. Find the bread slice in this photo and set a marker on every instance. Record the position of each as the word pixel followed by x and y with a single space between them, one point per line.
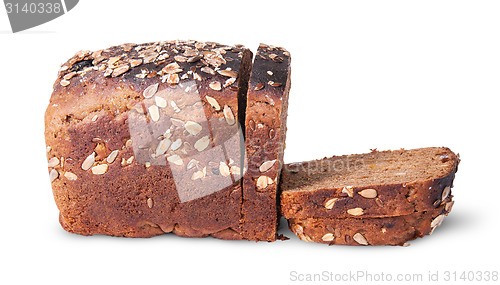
pixel 370 231
pixel 376 184
pixel 144 139
pixel 265 123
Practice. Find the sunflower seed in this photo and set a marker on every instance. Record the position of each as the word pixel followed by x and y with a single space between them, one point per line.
pixel 108 72
pixel 177 122
pixel 196 76
pixel 99 169
pixel 355 211
pixel 53 162
pixel 162 147
pixel 192 164
pixel 235 170
pixel 337 233
pixel 163 56
pixel 89 161
pixel 224 169
pixel 150 203
pixel 228 73
pixel 305 237
pixel 70 176
pixel 167 134
pixel 199 45
pixel 368 193
pixel 347 239
pixel 172 68
pixel 437 221
pixel 69 75
pixel 128 143
pixel 328 237
pixel 299 229
pixel 432 230
pixel 113 60
pixel 272 133
pixel 193 127
pixel 213 102
pixel 215 85
pixel 202 143
pixel 150 91
pixel 175 107
pixel 53 175
pixel 180 58
pixel 154 113
pixel 267 165
pixel 228 114
pixel 359 238
pixel 271 101
pixel 259 86
pixel 208 70
pixel 64 82
pixel 348 190
pixel 329 204
pixel 150 57
pixel 160 102
pixel 130 160
pixel 446 193
pixel 176 144
pixel 197 175
pixel 175 159
pixel 263 182
pixel 173 78
pixel 135 62
pixel 112 156
pixel 229 82
pixel 194 58
pixel 120 70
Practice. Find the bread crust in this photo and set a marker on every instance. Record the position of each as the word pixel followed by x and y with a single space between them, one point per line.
pixel 396 230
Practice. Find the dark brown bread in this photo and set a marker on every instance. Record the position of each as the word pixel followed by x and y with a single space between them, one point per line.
pixel 376 184
pixel 370 231
pixel 144 140
pixel 266 113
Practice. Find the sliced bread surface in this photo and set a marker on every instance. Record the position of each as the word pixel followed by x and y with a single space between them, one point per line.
pixel 375 184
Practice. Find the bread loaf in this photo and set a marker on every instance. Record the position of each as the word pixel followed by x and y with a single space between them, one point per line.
pixel 145 139
pixel 188 137
pixel 266 113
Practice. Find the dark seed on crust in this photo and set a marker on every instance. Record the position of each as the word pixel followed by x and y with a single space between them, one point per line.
pixel 259 86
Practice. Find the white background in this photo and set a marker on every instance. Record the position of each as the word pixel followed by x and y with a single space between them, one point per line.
pixel 366 74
